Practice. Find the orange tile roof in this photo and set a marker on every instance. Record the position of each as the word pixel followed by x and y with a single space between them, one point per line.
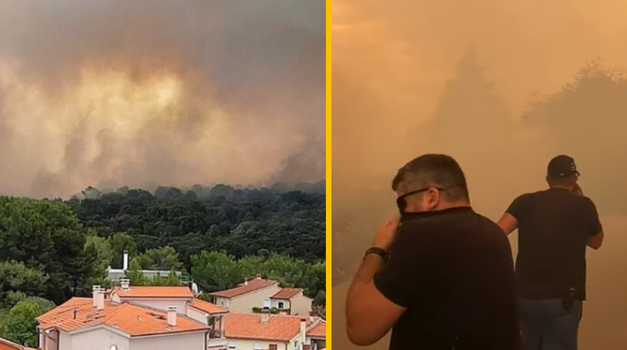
pixel 246 287
pixel 154 292
pixel 9 345
pixel 249 326
pixel 207 307
pixel 318 331
pixel 286 293
pixel 132 319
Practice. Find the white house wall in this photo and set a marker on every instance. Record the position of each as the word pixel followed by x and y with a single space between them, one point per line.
pixel 286 303
pixel 246 302
pixel 197 315
pixel 96 339
pixel 161 304
pixel 224 302
pixel 183 341
pixel 300 305
pixel 247 344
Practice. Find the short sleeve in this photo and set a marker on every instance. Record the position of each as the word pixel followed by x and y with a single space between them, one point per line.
pixel 516 209
pixel 403 271
pixel 592 218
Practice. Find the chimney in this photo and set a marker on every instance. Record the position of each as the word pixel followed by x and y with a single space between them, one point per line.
pixel 303 329
pixel 171 316
pixel 246 281
pixel 265 317
pixel 94 292
pixel 125 284
pixel 125 267
pixel 273 347
pixel 100 299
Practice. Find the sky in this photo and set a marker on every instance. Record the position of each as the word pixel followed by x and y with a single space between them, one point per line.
pixel 146 93
pixel 464 78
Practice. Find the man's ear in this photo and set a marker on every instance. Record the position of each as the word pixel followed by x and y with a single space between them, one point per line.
pixel 434 197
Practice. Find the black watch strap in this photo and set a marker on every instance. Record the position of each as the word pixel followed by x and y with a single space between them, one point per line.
pixel 378 251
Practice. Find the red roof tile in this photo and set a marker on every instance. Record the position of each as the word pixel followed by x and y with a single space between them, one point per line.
pixel 249 326
pixel 246 287
pixel 286 293
pixel 318 331
pixel 207 307
pixel 155 292
pixel 79 313
pixel 9 345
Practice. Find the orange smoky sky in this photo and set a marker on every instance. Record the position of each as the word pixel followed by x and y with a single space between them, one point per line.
pixel 401 67
pixel 147 93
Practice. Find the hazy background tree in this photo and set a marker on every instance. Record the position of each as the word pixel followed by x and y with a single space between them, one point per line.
pixel 590 107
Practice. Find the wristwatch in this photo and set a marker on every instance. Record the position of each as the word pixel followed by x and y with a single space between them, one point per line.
pixel 378 251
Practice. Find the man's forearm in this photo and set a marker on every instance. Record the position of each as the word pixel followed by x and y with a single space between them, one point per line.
pixel 370 265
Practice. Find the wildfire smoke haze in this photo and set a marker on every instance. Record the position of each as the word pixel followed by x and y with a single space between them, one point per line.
pixel 503 86
pixel 114 93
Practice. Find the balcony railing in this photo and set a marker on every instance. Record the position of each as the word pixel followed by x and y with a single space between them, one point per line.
pixel 274 310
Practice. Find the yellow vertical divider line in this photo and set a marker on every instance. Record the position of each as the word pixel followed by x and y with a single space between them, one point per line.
pixel 329 138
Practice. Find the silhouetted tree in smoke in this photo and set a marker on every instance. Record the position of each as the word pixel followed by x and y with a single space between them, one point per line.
pixel 472 124
pixel 586 119
pixel 471 118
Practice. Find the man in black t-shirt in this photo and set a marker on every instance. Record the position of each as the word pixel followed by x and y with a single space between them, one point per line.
pixel 439 275
pixel 554 228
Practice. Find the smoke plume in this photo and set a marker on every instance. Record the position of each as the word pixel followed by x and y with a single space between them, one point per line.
pixel 145 93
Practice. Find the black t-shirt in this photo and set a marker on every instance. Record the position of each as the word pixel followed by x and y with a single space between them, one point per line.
pixel 554 227
pixel 453 269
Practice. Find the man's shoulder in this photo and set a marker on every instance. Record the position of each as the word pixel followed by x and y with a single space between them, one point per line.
pixel 532 195
pixel 486 224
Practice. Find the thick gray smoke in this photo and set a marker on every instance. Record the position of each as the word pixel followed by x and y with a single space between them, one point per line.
pixel 145 93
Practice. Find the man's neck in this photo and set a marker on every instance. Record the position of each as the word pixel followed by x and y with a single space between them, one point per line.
pixel 568 188
pixel 459 204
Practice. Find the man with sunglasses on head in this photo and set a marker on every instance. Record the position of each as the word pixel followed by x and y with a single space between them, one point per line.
pixel 554 227
pixel 439 275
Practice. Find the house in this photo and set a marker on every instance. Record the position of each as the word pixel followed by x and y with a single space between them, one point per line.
pixel 255 293
pixel 9 345
pixel 119 274
pixel 134 318
pixel 260 293
pixel 158 297
pixel 292 301
pixel 269 332
pixel 317 335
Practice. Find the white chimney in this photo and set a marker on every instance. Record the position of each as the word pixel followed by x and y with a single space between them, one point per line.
pixel 171 316
pixel 94 292
pixel 100 300
pixel 303 330
pixel 125 284
pixel 125 267
pixel 265 317
pixel 246 281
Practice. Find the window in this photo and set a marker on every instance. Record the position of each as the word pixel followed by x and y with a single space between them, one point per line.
pixel 281 305
pixel 257 346
pixel 232 345
pixel 266 304
pixel 296 345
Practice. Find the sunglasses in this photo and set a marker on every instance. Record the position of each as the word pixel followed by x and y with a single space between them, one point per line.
pixel 402 204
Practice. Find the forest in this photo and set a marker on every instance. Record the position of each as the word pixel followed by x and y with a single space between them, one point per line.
pixel 53 249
